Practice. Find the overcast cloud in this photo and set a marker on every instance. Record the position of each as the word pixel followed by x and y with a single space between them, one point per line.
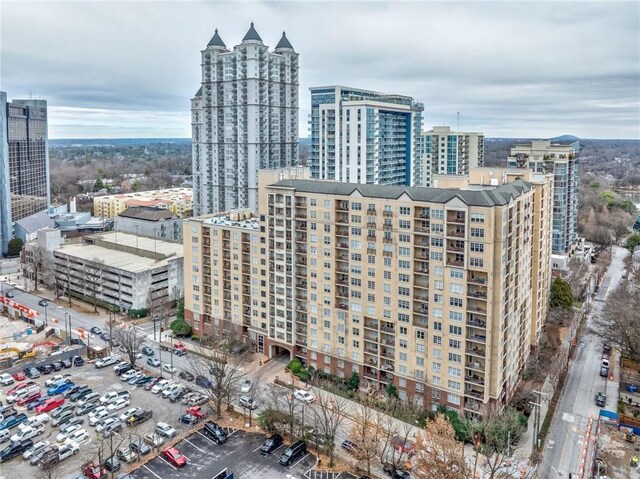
pixel 535 69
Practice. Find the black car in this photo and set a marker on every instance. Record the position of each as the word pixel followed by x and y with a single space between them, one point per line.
pixel 66 363
pixel 43 302
pixel 147 351
pixel 37 457
pixel 122 368
pixel 139 417
pixel 395 473
pixel 112 464
pixel 293 452
pixel 186 375
pixel 143 380
pixel 271 444
pixel 47 369
pixel 15 449
pixel 601 399
pixel 189 419
pixel 180 395
pixel 80 394
pixel 71 421
pixel 140 447
pixel 349 446
pixel 96 330
pixel 9 294
pixel 203 382
pixel 61 410
pixel 215 432
pixel 606 348
pixel 74 389
pixel 150 384
pixel 78 361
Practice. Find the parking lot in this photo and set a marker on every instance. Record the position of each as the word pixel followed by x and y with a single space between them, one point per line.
pixel 239 455
pixel 100 381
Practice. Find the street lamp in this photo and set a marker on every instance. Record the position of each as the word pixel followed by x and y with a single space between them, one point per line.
pixel 46 318
pixel 155 319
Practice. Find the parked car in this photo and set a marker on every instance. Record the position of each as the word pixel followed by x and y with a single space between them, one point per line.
pixel 112 464
pixel 126 454
pixel 165 430
pixel 71 421
pixel 43 302
pixel 105 336
pixel 33 450
pixel 51 449
pixel 186 375
pixel 57 379
pixel 118 404
pixel 293 452
pixel 112 428
pixel 140 417
pixel 214 432
pixel 59 388
pixel 86 408
pixel 302 395
pixel 27 432
pixel 77 436
pixel 107 361
pixel 32 373
pixel 248 403
pixel 604 371
pixel 6 379
pixel 246 386
pixel 66 363
pixel 32 405
pixel 197 400
pixel 601 399
pixel 66 432
pixel 133 379
pixel 80 394
pixel 147 351
pixel 168 368
pixel 91 397
pixel 139 447
pixel 61 410
pixel 9 294
pixel 174 457
pixel 78 361
pixel 15 449
pixel 57 421
pixel 24 400
pixel 150 384
pixel 395 473
pixel 125 376
pixel 57 365
pixel 271 444
pixel 38 420
pixel 143 380
pixel 160 386
pixel 113 396
pixel 203 382
pixel 109 422
pixel 49 405
pixel 154 362
pixel 90 470
pixel 122 368
pixel 96 330
pixel 7 411
pixel 189 419
pixel 153 439
pixel 19 376
pixel 128 413
pixel 349 446
pixel 99 415
pixel 74 389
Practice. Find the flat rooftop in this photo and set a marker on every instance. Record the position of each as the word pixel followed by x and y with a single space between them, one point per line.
pixel 234 218
pixel 142 243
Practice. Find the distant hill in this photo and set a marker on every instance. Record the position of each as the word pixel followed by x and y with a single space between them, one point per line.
pixel 115 142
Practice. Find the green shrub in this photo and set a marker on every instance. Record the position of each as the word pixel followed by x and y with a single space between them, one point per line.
pixel 180 327
pixel 138 313
pixel 295 366
pixel 561 296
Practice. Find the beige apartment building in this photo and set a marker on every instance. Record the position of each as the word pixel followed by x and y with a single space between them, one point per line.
pixel 430 289
pixel 177 200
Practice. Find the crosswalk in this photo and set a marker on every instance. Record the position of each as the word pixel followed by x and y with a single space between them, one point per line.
pixel 316 474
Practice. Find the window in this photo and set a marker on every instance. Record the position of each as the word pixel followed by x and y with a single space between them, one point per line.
pixel 438 284
pixel 436 256
pixel 438 271
pixel 437 340
pixel 457 302
pixel 477 247
pixel 437 228
pixel 404 238
pixel 403 318
pixel 356 206
pixel 437 242
pixel 457 330
pixel 405 210
pixel 435 394
pixel 436 367
pixel 454 344
pixel 437 298
pixel 419 334
pixel 404 251
pixel 456 288
pixel 404 224
pixel 435 380
pixel 437 326
pixel 477 217
pixel 403 304
pixel 437 312
pixel 453 399
pixel 455 358
pixel 455 385
pixel 402 291
pixel 437 214
pixel 477 232
pixel 403 278
pixel 455 372
pixel 402 343
pixel 420 348
pixel 476 262
pixel 403 264
pixel 457 273
pixel 455 316
pixel 403 357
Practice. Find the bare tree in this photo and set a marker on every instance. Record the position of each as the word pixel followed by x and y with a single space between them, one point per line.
pixel 254 393
pixel 224 370
pixel 48 471
pixel 36 263
pixel 63 277
pixel 102 448
pixel 438 454
pixel 93 271
pixel 131 340
pixel 396 445
pixel 328 414
pixel 365 434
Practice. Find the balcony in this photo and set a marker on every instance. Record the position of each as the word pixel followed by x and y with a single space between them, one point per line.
pixel 456 232
pixel 420 322
pixel 456 217
pixel 474 350
pixel 342 231
pixel 371 336
pixel 477 307
pixel 342 292
pixel 477 278
pixel 387 327
pixel 388 353
pixel 342 218
pixel 475 379
pixel 476 365
pixel 474 394
pixel 371 323
pixel 476 338
pixel 475 321
pixel 342 205
pixel 343 306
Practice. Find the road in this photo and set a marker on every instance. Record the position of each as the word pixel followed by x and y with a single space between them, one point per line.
pixel 566 439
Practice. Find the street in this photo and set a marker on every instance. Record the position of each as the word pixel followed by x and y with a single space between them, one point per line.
pixel 564 447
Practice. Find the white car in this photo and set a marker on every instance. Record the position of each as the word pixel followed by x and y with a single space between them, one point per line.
pixel 169 390
pixel 58 378
pixel 167 368
pixel 165 429
pixel 109 397
pixel 246 386
pixel 160 386
pixel 37 447
pixel 77 436
pixel 106 423
pixel 92 397
pixel 6 379
pixel 67 450
pixel 305 396
pixel 67 431
pixel 120 364
pixel 118 404
pixel 188 397
pixel 27 432
pixel 128 375
pixel 124 417
pixel 95 419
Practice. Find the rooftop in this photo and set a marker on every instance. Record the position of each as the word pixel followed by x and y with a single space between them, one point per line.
pixel 486 196
pixel 152 245
pixel 235 218
pixel 147 213
pixel 169 193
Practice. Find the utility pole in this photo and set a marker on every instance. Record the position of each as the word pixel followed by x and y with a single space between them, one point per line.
pixel 536 417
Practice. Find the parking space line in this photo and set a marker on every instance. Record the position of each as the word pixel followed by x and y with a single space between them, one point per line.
pixel 301 459
pixel 170 465
pixel 206 437
pixel 187 440
pixel 145 466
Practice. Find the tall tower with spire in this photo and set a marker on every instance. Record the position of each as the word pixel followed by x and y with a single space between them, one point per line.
pixel 244 118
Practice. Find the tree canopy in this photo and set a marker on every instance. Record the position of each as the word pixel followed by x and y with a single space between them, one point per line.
pixel 561 296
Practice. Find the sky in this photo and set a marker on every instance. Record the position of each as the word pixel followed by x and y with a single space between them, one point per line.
pixel 112 69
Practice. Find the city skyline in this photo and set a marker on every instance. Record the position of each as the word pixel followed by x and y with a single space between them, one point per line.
pixel 118 72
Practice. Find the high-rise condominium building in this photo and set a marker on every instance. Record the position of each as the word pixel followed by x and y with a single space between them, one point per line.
pixel 429 289
pixel 562 160
pixel 447 152
pixel 361 136
pixel 24 167
pixel 244 118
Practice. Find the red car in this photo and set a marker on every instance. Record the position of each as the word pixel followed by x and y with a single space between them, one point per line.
pixel 14 390
pixel 197 411
pixel 174 457
pixel 91 471
pixel 49 404
pixel 27 399
pixel 19 376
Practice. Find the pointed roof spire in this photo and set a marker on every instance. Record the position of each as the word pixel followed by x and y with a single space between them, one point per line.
pixel 284 43
pixel 216 41
pixel 252 35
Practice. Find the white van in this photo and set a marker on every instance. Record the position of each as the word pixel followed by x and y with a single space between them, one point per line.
pixel 6 379
pixel 24 392
pixel 37 420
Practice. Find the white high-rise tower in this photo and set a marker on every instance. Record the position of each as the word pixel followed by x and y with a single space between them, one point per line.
pixel 244 118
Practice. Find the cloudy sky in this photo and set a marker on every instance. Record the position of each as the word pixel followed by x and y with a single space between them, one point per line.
pixel 512 69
